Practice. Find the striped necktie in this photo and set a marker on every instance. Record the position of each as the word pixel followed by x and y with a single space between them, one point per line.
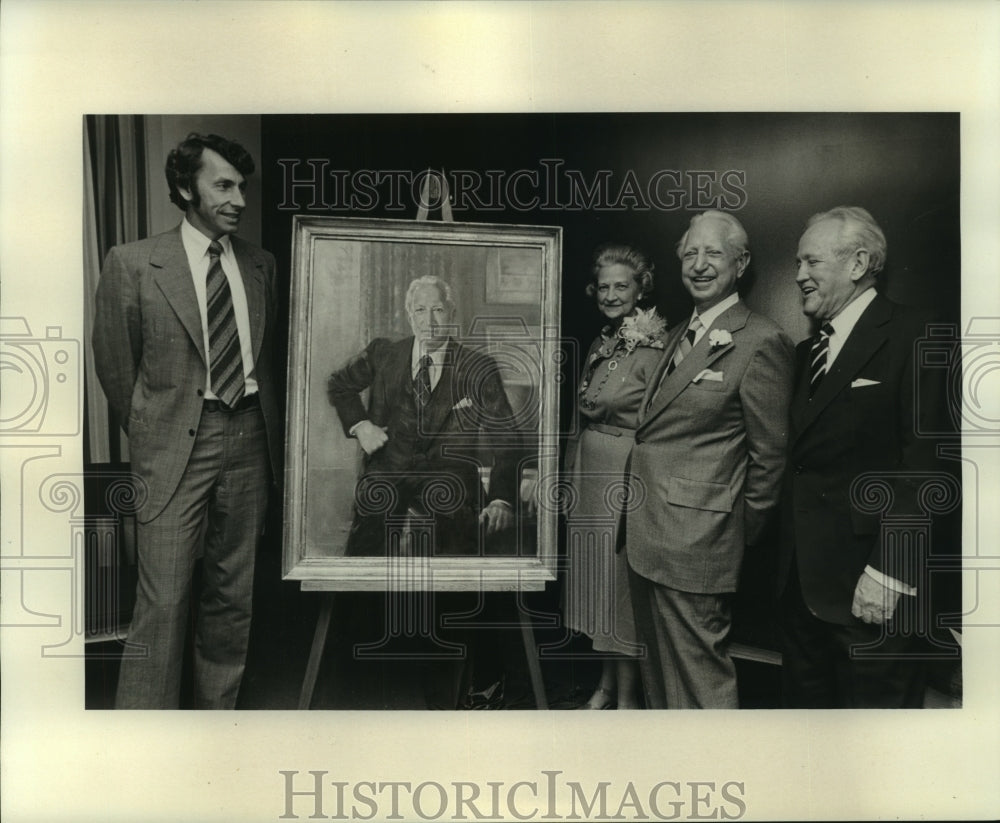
pixel 422 383
pixel 225 354
pixel 686 344
pixel 819 357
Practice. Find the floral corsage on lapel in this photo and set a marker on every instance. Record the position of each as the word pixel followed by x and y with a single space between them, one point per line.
pixel 719 339
pixel 644 329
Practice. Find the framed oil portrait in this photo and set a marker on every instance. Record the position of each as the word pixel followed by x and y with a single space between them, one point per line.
pixel 422 405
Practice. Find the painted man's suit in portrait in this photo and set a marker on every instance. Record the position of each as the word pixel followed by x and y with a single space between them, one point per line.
pixel 432 456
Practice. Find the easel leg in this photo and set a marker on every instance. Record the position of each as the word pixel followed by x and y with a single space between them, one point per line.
pixel 316 652
pixel 534 666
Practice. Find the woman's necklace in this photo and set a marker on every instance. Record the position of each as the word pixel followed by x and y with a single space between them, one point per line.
pixel 588 394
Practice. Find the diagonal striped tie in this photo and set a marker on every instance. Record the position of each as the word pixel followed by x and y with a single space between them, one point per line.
pixel 686 344
pixel 819 356
pixel 422 383
pixel 225 356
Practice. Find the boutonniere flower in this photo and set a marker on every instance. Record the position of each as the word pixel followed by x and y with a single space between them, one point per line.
pixel 718 338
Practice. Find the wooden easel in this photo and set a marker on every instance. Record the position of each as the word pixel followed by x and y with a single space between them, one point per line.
pixel 321 633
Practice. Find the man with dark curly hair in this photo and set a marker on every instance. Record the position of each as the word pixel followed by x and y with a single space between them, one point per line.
pixel 182 347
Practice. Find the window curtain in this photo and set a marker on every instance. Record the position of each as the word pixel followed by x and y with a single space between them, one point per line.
pixel 114 211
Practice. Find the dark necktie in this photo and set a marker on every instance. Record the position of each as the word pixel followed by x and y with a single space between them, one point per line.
pixel 686 344
pixel 224 352
pixel 422 385
pixel 819 356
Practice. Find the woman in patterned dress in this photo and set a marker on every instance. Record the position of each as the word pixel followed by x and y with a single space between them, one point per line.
pixel 620 362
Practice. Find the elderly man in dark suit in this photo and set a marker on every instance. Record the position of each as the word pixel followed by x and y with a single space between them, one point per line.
pixel 182 346
pixel 705 471
pixel 855 412
pixel 430 398
pixel 434 406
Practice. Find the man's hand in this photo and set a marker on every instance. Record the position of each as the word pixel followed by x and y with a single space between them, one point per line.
pixel 497 516
pixel 371 437
pixel 873 602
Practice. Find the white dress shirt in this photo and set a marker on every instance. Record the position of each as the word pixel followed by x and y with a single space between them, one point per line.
pixel 196 248
pixel 437 361
pixel 708 316
pixel 844 323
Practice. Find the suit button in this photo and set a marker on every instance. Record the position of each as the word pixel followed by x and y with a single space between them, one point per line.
pixel 201 393
pixel 798 470
pixel 638 441
pixel 191 432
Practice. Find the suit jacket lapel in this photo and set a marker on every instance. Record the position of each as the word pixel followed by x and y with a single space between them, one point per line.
pixel 252 272
pixel 698 358
pixel 868 336
pixel 399 375
pixel 800 394
pixel 173 276
pixel 653 385
pixel 443 397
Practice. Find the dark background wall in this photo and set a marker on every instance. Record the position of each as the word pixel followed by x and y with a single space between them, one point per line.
pixel 164 132
pixel 904 168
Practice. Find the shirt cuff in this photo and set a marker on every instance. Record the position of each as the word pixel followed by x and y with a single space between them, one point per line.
pixel 891 582
pixel 503 503
pixel 354 428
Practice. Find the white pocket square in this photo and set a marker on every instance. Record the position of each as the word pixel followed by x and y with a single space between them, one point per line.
pixel 708 374
pixel 862 381
pixel 464 403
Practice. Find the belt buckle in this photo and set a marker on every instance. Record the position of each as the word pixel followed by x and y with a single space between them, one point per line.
pixel 245 402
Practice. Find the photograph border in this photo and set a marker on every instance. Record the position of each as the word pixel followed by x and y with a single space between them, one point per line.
pixel 61 762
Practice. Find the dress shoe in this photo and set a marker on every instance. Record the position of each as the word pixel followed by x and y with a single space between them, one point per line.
pixel 487 699
pixel 606 700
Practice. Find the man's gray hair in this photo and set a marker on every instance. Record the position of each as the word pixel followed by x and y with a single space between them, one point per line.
pixel 736 238
pixel 429 280
pixel 858 230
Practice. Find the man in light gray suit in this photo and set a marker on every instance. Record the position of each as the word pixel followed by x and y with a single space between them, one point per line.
pixel 182 346
pixel 705 471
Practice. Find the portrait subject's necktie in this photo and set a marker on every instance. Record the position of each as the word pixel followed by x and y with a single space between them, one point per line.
pixel 819 357
pixel 422 384
pixel 686 344
pixel 224 351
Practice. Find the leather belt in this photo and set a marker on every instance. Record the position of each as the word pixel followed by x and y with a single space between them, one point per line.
pixel 248 401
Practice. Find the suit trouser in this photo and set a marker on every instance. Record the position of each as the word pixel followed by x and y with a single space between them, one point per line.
pixel 826 665
pixel 454 533
pixel 217 513
pixel 686 662
pixel 484 623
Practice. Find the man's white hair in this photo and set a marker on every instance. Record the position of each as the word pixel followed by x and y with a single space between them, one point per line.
pixel 735 238
pixel 858 230
pixel 429 280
